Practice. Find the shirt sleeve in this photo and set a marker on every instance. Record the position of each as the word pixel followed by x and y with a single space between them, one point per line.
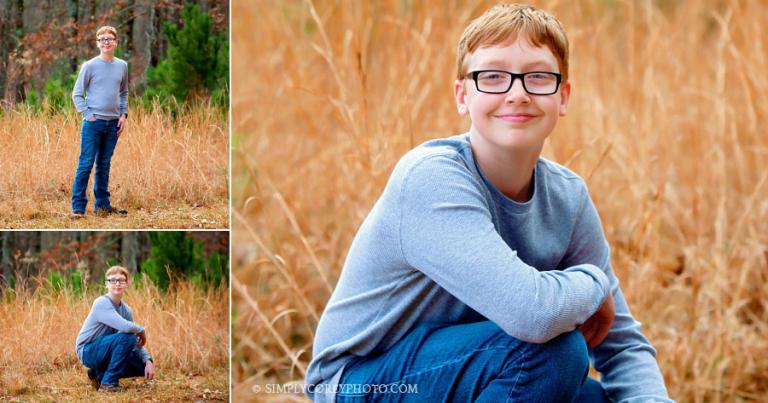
pixel 143 353
pixel 625 359
pixel 446 232
pixel 104 312
pixel 124 92
pixel 79 91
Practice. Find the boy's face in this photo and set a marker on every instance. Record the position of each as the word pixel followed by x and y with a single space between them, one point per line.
pixel 106 43
pixel 116 284
pixel 515 120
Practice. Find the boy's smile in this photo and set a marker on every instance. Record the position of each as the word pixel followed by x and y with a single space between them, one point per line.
pixel 116 285
pixel 515 120
pixel 106 44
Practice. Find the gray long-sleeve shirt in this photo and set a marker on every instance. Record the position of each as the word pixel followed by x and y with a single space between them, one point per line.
pixel 101 89
pixel 442 244
pixel 107 318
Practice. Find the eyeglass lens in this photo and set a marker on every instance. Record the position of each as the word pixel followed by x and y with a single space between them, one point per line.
pixel 499 82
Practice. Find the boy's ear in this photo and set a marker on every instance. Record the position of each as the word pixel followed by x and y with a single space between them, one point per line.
pixel 565 95
pixel 460 95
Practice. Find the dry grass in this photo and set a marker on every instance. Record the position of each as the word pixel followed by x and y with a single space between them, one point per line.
pixel 664 124
pixel 187 333
pixel 168 174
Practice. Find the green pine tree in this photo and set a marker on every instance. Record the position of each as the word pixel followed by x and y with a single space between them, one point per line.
pixel 197 64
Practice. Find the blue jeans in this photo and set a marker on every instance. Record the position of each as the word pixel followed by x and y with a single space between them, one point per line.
pixel 97 143
pixel 472 362
pixel 113 357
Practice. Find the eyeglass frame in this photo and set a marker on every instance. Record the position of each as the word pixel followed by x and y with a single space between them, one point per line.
pixel 515 76
pixel 106 40
pixel 115 281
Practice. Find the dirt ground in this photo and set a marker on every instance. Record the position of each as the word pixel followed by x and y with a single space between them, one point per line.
pixel 72 385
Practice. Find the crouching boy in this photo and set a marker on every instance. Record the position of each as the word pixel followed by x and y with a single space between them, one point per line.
pixel 482 272
pixel 110 343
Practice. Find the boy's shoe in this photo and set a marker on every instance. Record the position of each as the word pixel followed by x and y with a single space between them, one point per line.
pixel 94 380
pixel 76 215
pixel 112 388
pixel 112 210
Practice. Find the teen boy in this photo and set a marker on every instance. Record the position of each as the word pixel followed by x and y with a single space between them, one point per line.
pixel 482 273
pixel 110 343
pixel 101 95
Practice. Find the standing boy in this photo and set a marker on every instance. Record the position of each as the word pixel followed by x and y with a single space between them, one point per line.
pixel 101 96
pixel 110 343
pixel 482 273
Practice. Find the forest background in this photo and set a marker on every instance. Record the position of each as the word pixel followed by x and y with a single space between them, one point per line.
pixel 178 291
pixel 171 169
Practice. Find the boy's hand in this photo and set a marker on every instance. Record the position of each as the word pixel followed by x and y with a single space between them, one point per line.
pixel 141 339
pixel 597 326
pixel 149 370
pixel 120 125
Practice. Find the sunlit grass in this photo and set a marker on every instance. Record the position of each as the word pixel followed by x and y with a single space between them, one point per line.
pixel 161 166
pixel 187 331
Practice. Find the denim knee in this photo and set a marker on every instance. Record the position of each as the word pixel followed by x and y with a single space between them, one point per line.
pixel 570 355
pixel 128 338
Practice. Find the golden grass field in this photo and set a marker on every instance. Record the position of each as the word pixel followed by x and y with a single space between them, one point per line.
pixel 665 123
pixel 186 334
pixel 166 173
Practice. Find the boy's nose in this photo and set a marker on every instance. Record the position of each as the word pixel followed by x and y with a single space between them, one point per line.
pixel 517 93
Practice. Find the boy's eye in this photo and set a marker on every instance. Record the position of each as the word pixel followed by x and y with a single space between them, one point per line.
pixel 539 77
pixel 491 76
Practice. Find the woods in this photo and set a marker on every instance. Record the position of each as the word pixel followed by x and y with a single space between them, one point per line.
pixel 85 255
pixel 43 43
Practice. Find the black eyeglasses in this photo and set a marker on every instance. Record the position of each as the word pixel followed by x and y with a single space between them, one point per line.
pixel 106 40
pixel 115 281
pixel 500 82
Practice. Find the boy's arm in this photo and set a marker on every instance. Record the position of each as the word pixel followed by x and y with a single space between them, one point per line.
pixel 446 232
pixel 78 92
pixel 143 353
pixel 124 93
pixel 625 359
pixel 105 312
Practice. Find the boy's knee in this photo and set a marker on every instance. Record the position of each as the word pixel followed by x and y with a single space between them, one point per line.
pixel 569 352
pixel 128 338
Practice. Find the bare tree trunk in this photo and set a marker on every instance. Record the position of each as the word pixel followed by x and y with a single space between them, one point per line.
pixel 14 85
pixel 6 258
pixel 72 8
pixel 129 251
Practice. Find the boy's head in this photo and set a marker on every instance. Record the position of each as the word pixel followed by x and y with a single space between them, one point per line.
pixel 106 37
pixel 512 80
pixel 106 30
pixel 506 22
pixel 117 279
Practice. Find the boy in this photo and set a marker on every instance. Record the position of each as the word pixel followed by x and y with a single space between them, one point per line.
pixel 482 272
pixel 110 343
pixel 101 95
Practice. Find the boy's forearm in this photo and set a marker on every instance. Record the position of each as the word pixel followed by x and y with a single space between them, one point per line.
pixel 145 356
pixel 78 94
pixel 124 96
pixel 447 234
pixel 626 359
pixel 109 316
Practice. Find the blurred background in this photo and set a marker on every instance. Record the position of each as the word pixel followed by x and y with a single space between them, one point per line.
pixel 178 291
pixel 665 123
